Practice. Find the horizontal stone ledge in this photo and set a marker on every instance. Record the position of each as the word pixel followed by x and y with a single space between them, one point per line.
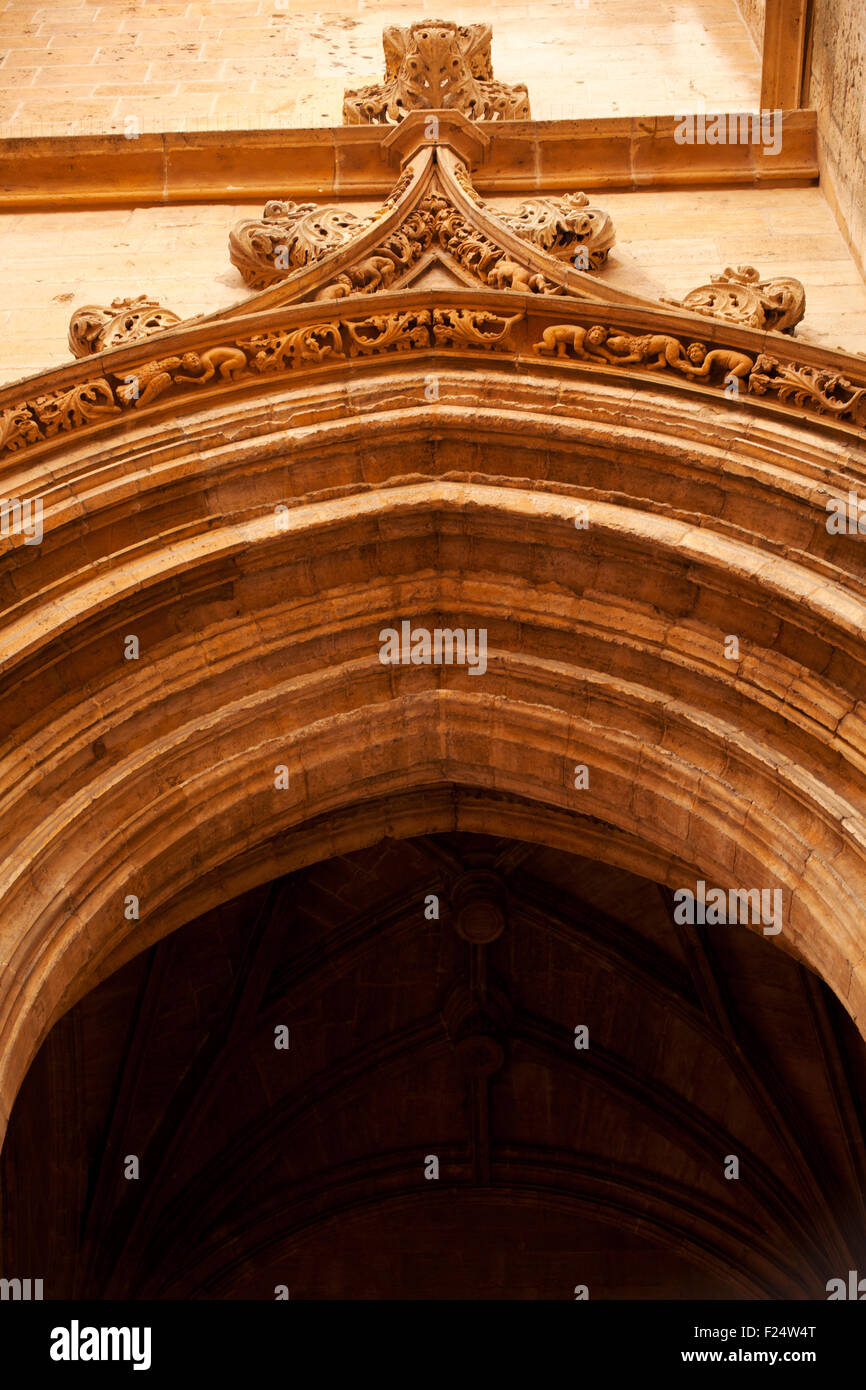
pixel 617 153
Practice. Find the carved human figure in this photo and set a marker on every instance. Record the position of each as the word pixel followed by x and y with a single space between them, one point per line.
pixel 201 367
pixel 559 338
pixel 726 360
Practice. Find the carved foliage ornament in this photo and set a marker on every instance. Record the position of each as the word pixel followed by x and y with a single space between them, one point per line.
pixel 811 388
pixel 436 65
pixel 95 329
pixel 291 235
pixel 561 226
pixel 741 296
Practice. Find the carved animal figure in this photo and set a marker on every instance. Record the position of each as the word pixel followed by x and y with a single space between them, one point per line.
pixel 655 351
pixel 558 338
pixel 373 273
pixel 338 289
pixel 508 275
pixel 147 382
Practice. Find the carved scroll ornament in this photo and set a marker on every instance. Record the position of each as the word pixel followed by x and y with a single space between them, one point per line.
pixel 291 235
pixel 95 329
pixel 811 388
pixel 741 296
pixel 561 226
pixel 436 65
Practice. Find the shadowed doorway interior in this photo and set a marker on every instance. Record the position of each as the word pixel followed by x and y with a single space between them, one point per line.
pixel 456 1066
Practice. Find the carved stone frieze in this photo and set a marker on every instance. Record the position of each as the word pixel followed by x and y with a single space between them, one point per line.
pixel 436 65
pixel 651 351
pixel 741 296
pixel 815 389
pixel 437 221
pixel 94 328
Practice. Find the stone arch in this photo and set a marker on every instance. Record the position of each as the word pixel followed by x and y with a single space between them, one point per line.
pixel 260 646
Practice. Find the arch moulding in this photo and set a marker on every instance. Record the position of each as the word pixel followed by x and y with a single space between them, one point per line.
pixel 608 487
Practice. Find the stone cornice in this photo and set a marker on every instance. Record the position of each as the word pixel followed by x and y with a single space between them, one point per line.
pixel 359 162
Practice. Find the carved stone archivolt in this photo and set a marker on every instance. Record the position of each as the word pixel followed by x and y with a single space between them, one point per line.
pixel 321 342
pixel 436 65
pixel 94 328
pixel 741 296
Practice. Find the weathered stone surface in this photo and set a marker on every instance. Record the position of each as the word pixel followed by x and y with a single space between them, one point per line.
pixel 838 80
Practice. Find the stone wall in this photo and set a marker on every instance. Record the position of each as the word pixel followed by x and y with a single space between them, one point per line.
pixel 84 65
pixel 837 90
pixel 753 14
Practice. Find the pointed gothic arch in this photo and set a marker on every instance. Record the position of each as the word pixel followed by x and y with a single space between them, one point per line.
pixel 257 494
pixel 259 644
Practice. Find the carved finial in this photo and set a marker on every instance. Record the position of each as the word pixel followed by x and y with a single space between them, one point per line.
pixel 741 296
pixel 94 328
pixel 436 65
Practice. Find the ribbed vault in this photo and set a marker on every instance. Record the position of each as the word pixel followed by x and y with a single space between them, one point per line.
pixel 558 1166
